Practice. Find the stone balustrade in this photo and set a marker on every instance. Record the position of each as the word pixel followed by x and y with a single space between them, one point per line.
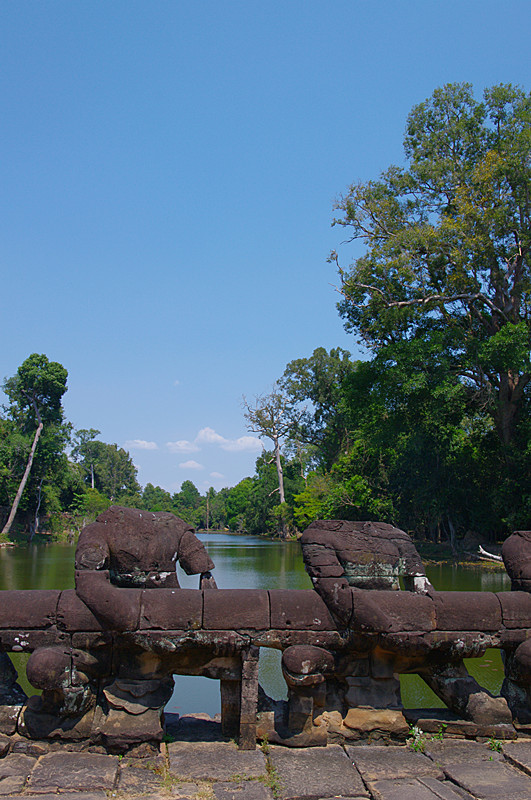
pixel 104 654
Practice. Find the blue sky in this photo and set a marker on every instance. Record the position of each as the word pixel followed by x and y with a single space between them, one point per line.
pixel 168 176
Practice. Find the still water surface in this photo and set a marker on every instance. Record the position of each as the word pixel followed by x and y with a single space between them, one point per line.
pixel 250 562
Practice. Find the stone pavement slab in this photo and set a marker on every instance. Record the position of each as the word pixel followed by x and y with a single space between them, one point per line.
pixel 217 761
pixel 246 790
pixel 454 751
pixel 388 763
pixel 491 780
pixel 14 772
pixel 63 796
pixel 139 780
pixel 414 789
pixel 315 772
pixel 519 754
pixel 362 797
pixel 183 790
pixel 63 772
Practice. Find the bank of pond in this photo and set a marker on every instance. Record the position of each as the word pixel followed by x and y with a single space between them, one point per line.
pixel 252 562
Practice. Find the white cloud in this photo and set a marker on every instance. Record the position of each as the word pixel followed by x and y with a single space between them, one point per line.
pixel 140 444
pixel 182 446
pixel 191 465
pixel 243 443
pixel 209 436
pixel 216 475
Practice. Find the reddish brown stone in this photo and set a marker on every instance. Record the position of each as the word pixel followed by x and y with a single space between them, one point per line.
pixel 521 665
pixel 27 641
pixel 95 662
pixel 299 610
pixel 516 609
pixel 516 554
pixel 28 608
pixel 73 772
pixel 388 612
pixel 36 724
pixel 442 644
pixel 233 609
pixel 89 641
pixel 47 666
pixel 371 554
pixel 117 608
pixel 9 715
pixel 337 596
pixel 74 615
pixel 141 548
pixel 467 611
pixel 172 609
pixel 119 729
pixel 305 659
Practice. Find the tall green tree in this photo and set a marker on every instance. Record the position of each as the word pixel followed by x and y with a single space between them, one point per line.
pixel 186 502
pixel 319 380
pixel 85 449
pixel 155 498
pixel 35 395
pixel 114 471
pixel 447 242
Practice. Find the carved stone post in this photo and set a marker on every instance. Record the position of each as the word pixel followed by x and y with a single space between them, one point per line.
pixel 249 698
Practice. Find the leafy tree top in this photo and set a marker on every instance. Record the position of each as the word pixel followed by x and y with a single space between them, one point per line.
pixel 36 390
pixel 448 242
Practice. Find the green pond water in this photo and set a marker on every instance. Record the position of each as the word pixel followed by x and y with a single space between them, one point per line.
pixel 249 562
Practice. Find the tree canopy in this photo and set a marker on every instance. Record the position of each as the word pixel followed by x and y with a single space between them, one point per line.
pixel 448 237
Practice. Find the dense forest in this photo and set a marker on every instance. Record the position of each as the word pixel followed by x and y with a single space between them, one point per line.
pixel 431 432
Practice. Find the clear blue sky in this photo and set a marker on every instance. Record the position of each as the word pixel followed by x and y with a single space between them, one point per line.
pixel 168 175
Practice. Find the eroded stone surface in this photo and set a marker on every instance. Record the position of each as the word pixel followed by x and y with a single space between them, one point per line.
pixel 519 754
pixel 139 780
pixel 308 774
pixel 73 771
pixel 493 781
pixel 218 761
pixel 387 763
pixel 412 789
pixel 451 751
pixel 14 771
pixel 247 790
pixel 63 796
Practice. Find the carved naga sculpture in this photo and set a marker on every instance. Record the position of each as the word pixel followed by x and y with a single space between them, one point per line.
pixel 105 653
pixel 353 563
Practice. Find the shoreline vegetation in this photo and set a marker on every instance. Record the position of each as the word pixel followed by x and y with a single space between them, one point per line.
pixel 431 553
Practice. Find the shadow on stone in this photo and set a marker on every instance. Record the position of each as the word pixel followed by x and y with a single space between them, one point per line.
pixel 194 728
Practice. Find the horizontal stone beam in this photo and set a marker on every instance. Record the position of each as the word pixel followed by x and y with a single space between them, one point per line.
pixel 505 617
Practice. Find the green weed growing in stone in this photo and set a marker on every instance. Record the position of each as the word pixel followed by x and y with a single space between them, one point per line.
pixel 495 744
pixel 439 736
pixel 417 739
pixel 272 779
